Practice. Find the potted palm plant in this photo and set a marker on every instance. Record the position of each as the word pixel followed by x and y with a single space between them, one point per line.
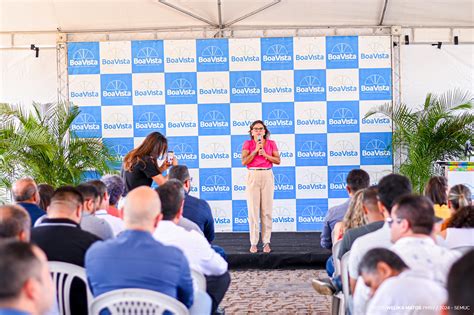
pixel 40 144
pixel 435 131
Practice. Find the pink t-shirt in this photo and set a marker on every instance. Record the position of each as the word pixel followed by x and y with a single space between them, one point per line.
pixel 259 160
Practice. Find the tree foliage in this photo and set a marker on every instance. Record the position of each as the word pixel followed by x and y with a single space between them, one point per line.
pixel 435 131
pixel 40 144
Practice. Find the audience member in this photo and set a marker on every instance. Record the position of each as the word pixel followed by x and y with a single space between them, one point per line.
pixel 459 196
pixel 25 193
pixel 460 286
pixel 437 191
pixel 356 179
pixel 395 289
pixel 89 221
pixel 195 247
pixel 375 220
pixel 115 223
pixel 353 218
pixel 134 259
pixel 45 191
pixel 115 189
pixel 390 187
pixel 411 223
pixel 60 236
pixel 195 209
pixel 25 283
pixel 460 231
pixel 15 222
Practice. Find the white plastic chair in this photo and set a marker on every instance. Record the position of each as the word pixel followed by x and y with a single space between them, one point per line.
pixel 63 274
pixel 136 301
pixel 335 253
pixel 199 281
pixel 345 280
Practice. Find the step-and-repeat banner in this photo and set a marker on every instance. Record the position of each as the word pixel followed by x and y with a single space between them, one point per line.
pixel 312 93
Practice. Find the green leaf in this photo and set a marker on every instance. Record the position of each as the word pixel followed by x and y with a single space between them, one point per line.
pixel 437 131
pixel 39 143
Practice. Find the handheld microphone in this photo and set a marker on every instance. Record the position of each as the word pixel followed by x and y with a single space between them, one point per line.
pixel 259 140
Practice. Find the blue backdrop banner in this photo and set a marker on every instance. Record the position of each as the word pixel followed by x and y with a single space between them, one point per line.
pixel 312 93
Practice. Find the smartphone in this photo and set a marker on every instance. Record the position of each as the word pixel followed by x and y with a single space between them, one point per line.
pixel 170 156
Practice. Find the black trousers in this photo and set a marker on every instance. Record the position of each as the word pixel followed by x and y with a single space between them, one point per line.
pixel 217 287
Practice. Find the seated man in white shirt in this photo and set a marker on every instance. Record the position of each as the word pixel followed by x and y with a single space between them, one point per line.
pixel 396 289
pixel 115 223
pixel 390 188
pixel 412 221
pixel 195 246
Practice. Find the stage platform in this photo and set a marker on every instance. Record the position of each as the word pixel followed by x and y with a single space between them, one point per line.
pixel 289 250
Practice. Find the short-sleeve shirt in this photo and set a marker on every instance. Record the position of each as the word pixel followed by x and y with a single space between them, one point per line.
pixel 140 174
pixel 259 160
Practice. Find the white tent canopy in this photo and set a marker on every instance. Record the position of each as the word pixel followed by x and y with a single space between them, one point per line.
pixel 109 15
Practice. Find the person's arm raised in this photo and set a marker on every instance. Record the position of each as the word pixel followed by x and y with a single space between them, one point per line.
pixel 248 156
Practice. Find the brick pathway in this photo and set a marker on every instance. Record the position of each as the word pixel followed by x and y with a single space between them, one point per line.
pixel 275 292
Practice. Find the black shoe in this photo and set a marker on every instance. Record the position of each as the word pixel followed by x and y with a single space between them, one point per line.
pixel 323 287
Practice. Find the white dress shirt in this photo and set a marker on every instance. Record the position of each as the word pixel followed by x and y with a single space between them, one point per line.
pixel 115 223
pixel 378 238
pixel 410 293
pixel 195 247
pixel 422 254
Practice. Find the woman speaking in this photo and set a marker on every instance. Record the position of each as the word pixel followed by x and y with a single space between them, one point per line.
pixel 259 154
pixel 140 166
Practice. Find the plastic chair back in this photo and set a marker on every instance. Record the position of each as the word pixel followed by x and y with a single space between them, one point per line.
pixel 136 301
pixel 335 252
pixel 199 281
pixel 63 274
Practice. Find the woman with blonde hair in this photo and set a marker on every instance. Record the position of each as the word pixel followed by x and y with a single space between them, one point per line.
pixel 354 216
pixel 459 196
pixel 140 166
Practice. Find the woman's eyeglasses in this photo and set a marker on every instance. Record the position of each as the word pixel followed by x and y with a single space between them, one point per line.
pixel 258 129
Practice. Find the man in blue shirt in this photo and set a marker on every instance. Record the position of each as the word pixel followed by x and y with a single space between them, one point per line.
pixel 25 193
pixel 356 179
pixel 25 283
pixel 134 259
pixel 195 209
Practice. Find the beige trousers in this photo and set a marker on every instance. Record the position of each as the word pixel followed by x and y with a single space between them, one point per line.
pixel 259 191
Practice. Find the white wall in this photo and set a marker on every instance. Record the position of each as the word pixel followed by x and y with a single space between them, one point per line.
pixel 25 79
pixel 425 68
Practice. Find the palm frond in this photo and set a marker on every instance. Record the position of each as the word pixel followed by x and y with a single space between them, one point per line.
pixel 39 144
pixel 437 131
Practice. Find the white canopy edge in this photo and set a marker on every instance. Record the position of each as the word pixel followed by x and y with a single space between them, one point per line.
pixel 416 35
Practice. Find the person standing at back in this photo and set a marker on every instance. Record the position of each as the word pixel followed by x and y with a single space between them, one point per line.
pixel 259 154
pixel 140 166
